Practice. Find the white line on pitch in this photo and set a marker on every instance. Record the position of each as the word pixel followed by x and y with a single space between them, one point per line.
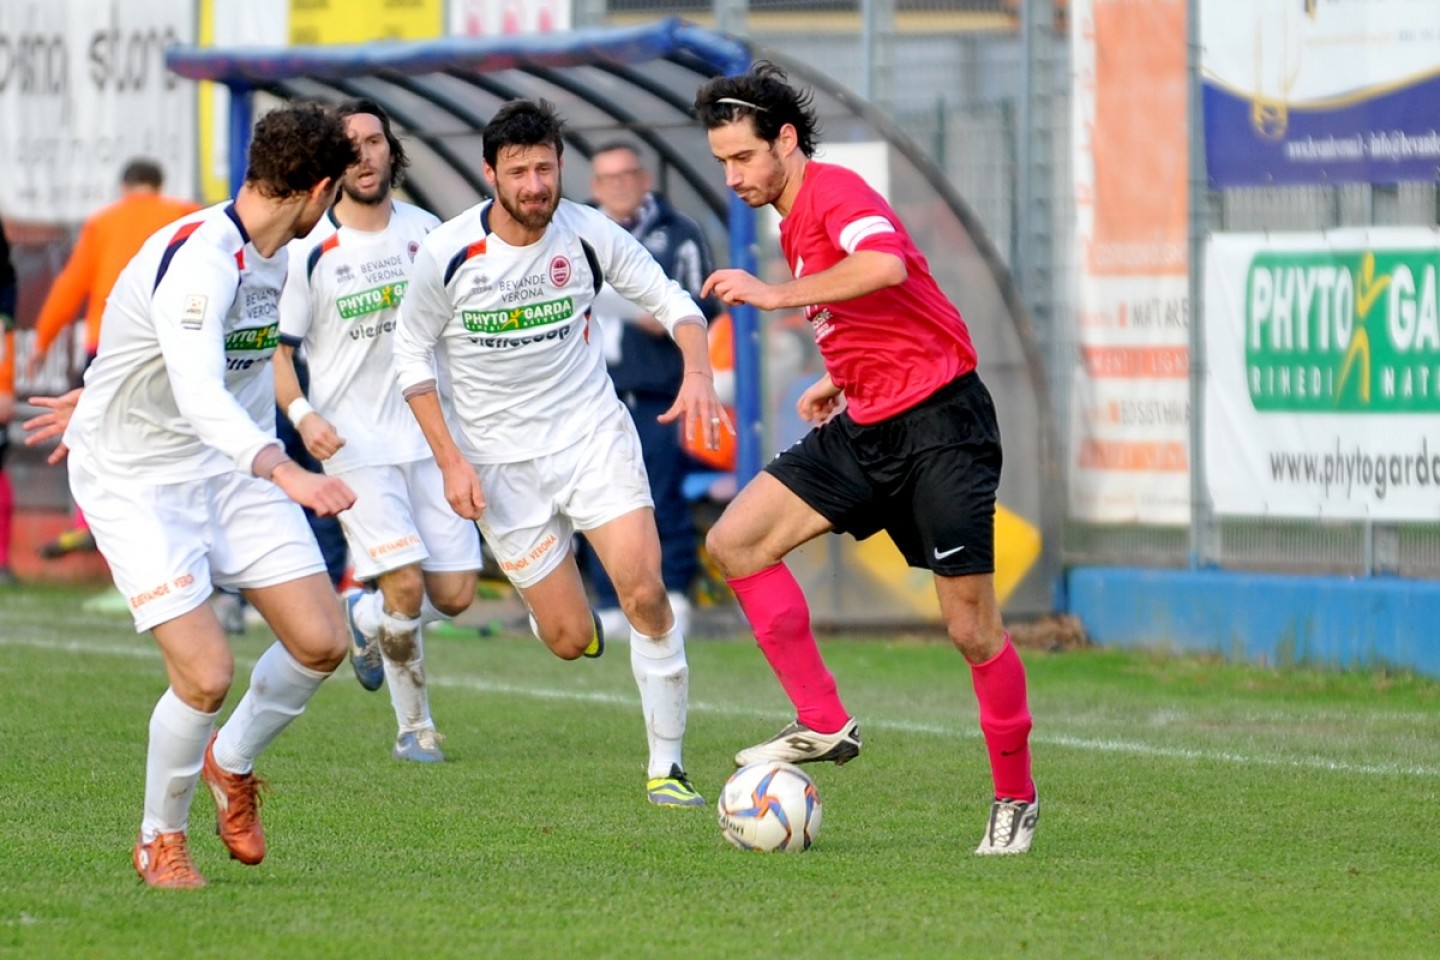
pixel 604 698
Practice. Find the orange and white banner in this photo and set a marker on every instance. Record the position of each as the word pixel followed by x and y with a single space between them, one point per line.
pixel 1129 457
pixel 489 18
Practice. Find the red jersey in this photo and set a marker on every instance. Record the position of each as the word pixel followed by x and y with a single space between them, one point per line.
pixel 890 349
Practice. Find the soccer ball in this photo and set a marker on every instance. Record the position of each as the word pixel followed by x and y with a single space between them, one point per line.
pixel 770 806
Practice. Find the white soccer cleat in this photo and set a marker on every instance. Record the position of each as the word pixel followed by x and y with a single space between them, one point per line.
pixel 1011 827
pixel 797 743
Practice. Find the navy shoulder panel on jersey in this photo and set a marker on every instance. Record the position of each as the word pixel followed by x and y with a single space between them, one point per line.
pixel 594 261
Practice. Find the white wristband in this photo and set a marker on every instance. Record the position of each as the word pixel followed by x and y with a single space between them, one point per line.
pixel 297 410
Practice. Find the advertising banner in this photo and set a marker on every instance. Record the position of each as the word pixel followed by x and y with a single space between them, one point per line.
pixel 1321 91
pixel 360 21
pixel 83 88
pixel 1322 394
pixel 1130 407
pixel 489 18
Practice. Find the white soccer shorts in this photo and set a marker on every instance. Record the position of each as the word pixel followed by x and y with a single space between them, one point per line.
pixel 534 507
pixel 401 517
pixel 170 545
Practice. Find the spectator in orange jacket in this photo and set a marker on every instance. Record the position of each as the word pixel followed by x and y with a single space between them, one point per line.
pixel 108 240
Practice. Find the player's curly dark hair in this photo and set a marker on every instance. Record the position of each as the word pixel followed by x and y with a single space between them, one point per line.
pixel 398 161
pixel 296 146
pixel 523 123
pixel 765 95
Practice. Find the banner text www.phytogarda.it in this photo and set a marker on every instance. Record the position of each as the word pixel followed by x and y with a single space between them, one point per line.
pixel 1338 469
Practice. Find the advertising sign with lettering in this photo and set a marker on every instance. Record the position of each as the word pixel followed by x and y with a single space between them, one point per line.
pixel 1129 438
pixel 1321 91
pixel 1322 394
pixel 489 18
pixel 83 88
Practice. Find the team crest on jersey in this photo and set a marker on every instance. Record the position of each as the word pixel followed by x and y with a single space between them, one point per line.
pixel 192 313
pixel 412 248
pixel 560 271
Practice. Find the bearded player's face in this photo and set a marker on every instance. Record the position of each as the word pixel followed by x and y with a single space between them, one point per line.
pixel 527 183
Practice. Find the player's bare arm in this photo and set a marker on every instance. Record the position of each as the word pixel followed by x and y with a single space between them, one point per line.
pixel 864 271
pixel 327 496
pixel 697 402
pixel 318 434
pixel 462 483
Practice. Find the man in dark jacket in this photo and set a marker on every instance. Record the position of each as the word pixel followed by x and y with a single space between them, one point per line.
pixel 646 365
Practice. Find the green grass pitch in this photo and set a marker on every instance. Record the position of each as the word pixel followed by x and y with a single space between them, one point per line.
pixel 1190 809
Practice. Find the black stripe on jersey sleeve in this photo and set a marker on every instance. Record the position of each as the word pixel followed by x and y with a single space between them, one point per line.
pixel 313 261
pixel 594 261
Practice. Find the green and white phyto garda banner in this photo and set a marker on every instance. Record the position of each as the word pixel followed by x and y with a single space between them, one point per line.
pixel 1322 384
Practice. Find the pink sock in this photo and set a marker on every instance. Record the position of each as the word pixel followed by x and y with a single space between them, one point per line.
pixel 7 517
pixel 1005 721
pixel 776 609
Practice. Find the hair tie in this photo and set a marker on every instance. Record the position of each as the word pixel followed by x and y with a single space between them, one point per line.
pixel 743 103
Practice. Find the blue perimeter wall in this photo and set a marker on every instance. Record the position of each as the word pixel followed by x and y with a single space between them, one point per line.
pixel 1263 618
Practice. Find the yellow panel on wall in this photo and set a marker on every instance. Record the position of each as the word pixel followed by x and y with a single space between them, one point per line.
pixel 1017 547
pixel 359 21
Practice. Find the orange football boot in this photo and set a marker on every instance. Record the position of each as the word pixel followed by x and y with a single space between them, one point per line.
pixel 237 808
pixel 165 863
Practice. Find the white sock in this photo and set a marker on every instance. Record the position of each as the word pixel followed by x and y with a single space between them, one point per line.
pixel 178 734
pixel 279 689
pixel 369 610
pixel 402 646
pixel 428 613
pixel 680 606
pixel 663 677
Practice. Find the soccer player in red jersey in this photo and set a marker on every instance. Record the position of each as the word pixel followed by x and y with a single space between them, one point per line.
pixel 906 438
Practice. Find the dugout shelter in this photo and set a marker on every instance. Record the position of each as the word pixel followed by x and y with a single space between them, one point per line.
pixel 640 82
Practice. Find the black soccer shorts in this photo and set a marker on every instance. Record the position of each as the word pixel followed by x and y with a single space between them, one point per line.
pixel 926 476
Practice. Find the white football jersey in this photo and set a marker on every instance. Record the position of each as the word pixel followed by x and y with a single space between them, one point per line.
pixel 513 327
pixel 341 302
pixel 182 386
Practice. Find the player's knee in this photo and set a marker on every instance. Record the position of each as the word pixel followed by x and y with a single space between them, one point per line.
pixel 723 548
pixel 404 591
pixel 976 641
pixel 453 597
pixel 320 646
pixel 205 689
pixel 569 638
pixel 647 603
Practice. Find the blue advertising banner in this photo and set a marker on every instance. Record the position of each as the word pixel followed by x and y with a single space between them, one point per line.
pixel 1321 91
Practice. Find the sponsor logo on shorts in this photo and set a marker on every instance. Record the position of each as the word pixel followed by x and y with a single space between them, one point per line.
pixel 253 338
pixel 515 566
pixel 370 301
pixel 409 540
pixel 518 318
pixel 163 590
